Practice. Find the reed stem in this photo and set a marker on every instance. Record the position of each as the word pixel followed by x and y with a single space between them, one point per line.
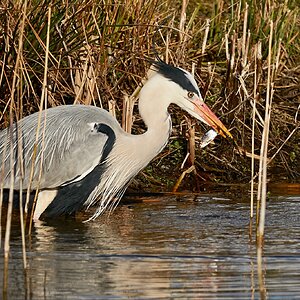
pixel 265 139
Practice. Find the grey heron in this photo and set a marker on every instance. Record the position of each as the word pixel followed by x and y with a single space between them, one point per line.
pixel 84 155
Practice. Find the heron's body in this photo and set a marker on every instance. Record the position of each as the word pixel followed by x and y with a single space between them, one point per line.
pixel 83 155
pixel 65 126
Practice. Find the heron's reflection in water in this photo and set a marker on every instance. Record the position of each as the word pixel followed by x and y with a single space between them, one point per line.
pixel 95 256
pixel 115 255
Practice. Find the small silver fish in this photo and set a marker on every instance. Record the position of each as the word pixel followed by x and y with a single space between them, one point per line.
pixel 207 138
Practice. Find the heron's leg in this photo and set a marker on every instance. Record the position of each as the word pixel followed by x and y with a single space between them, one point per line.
pixel 44 199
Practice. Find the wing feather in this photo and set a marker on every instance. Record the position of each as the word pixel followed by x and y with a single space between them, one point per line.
pixel 66 145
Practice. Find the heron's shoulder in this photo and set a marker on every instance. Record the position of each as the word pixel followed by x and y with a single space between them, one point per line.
pixel 77 109
pixel 68 115
pixel 73 109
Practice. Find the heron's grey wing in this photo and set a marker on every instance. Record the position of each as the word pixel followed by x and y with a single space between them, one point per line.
pixel 68 145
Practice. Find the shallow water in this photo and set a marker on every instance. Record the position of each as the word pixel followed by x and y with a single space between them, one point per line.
pixel 167 248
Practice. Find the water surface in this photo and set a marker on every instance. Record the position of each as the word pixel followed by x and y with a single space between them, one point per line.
pixel 168 248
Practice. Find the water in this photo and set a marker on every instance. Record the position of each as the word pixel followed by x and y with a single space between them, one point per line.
pixel 169 248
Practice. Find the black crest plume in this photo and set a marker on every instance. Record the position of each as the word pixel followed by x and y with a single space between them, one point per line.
pixel 174 74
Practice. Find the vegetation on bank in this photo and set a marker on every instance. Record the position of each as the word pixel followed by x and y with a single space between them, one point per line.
pixel 95 52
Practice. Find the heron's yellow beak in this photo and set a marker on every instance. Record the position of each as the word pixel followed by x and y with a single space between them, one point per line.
pixel 210 118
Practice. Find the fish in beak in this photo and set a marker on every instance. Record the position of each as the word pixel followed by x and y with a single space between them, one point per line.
pixel 205 113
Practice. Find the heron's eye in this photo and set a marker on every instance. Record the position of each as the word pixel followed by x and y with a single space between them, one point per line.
pixel 190 95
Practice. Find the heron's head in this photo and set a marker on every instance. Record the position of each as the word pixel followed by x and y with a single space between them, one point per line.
pixel 185 93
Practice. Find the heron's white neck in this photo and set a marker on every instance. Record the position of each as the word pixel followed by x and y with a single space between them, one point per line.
pixel 153 107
